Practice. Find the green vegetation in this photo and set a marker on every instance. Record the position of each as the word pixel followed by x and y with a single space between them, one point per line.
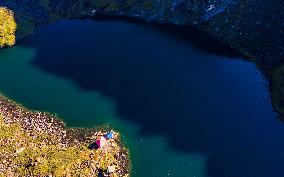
pixel 148 4
pixel 44 3
pixel 109 5
pixel 33 143
pixel 43 156
pixel 7 27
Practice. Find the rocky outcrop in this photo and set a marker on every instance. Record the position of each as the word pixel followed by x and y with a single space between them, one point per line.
pixel 255 28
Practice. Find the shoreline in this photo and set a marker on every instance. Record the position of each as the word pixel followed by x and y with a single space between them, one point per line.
pixel 35 125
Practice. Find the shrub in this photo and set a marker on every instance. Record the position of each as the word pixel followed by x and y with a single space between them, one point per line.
pixel 7 27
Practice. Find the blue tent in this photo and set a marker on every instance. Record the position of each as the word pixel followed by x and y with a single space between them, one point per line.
pixel 109 135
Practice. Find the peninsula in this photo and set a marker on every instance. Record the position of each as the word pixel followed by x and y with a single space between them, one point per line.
pixel 34 143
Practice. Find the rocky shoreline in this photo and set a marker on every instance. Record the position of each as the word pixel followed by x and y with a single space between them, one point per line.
pixel 39 144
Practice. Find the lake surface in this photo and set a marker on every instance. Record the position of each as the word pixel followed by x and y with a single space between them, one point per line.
pixel 182 112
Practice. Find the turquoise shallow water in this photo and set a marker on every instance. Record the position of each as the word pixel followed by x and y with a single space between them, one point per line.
pixel 181 111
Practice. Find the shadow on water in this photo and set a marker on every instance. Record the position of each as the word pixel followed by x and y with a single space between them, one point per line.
pixel 168 89
pixel 199 39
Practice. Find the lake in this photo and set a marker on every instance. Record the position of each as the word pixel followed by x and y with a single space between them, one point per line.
pixel 182 111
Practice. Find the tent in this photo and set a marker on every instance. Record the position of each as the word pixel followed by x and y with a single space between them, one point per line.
pixel 101 142
pixel 93 146
pixel 109 135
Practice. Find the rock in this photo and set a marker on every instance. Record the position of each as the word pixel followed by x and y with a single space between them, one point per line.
pixel 20 150
pixel 111 169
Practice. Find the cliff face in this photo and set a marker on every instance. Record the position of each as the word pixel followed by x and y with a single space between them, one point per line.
pixel 256 28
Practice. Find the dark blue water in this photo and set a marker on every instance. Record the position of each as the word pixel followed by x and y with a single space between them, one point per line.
pixel 183 111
